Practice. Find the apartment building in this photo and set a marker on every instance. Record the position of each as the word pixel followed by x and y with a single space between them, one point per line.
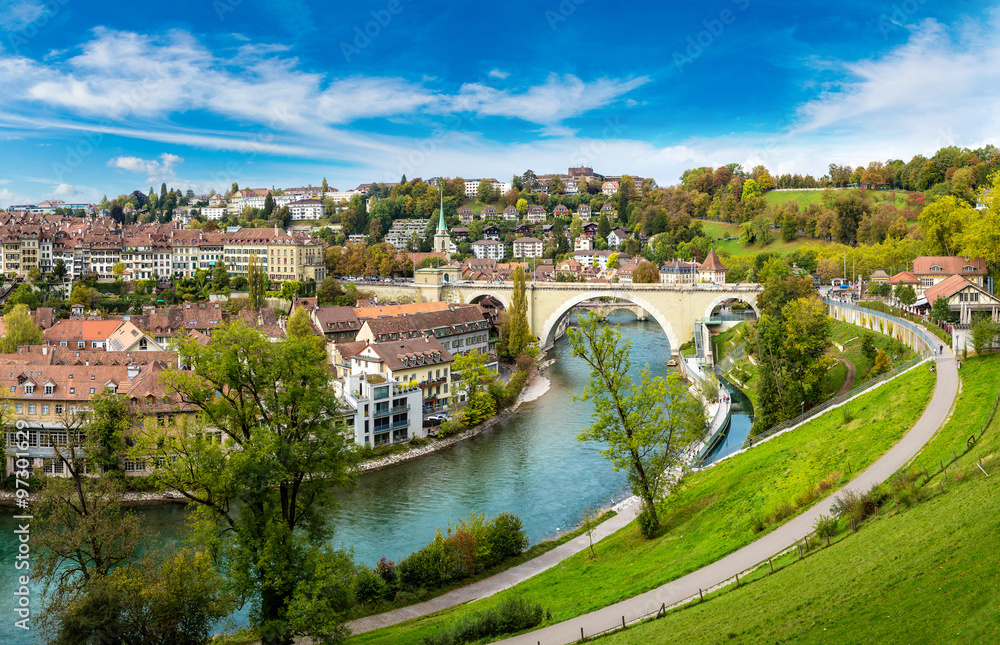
pixel 491 249
pixel 528 247
pixel 422 360
pixel 381 410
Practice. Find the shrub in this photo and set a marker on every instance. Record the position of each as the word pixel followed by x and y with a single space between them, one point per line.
pixel 513 614
pixel 852 505
pixel 829 482
pixel 507 537
pixel 648 524
pixel 782 511
pixel 825 526
pixel 846 415
pixel 369 587
pixel 757 523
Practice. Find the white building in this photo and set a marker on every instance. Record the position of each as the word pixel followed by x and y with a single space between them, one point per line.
pixel 528 247
pixel 306 209
pixel 472 186
pixel 380 410
pixel 583 243
pixel 489 249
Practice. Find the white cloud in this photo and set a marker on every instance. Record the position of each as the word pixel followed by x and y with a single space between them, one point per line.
pixel 498 73
pixel 155 171
pixel 15 15
pixel 67 190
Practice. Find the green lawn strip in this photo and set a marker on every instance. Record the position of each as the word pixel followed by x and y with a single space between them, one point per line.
pixel 927 574
pixel 980 386
pixel 711 513
pixel 727 341
pixel 725 230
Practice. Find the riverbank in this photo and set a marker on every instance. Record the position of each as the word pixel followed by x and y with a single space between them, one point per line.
pixel 535 387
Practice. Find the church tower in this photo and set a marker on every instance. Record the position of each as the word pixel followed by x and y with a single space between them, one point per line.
pixel 442 240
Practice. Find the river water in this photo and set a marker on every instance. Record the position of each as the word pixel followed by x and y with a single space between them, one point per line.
pixel 531 465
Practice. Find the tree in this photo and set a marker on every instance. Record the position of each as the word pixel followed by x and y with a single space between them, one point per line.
pixel 940 310
pixel 557 186
pixel 19 330
pixel 220 277
pixel 474 387
pixel 286 445
pixel 646 273
pixel 603 227
pixel 82 295
pixel 868 348
pixel 59 269
pixel 326 186
pixel 485 191
pixel 880 289
pixel 328 291
pixel 647 425
pixel 176 597
pixel 289 289
pixel 518 330
pixel 268 205
pixel 984 333
pixel 851 208
pixel 882 363
pixel 613 261
pixel 905 294
pixel 942 223
pixel 118 269
pixel 299 324
pixel 85 532
pixel 522 206
pixel 23 295
pixel 257 282
pixel 576 227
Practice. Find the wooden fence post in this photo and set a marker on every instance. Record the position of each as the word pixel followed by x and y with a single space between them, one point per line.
pixel 623 622
pixel 581 634
pixel 700 595
pixel 771 563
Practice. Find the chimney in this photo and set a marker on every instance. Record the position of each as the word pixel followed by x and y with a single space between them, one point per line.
pixel 133 371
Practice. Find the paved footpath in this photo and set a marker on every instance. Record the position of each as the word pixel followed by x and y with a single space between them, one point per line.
pixel 626 512
pixel 771 544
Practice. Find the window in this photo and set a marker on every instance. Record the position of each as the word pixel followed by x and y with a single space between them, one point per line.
pixel 19 408
pixel 29 389
pixel 45 408
pixel 31 408
pixel 91 390
pixel 72 390
pixel 59 408
pixel 49 389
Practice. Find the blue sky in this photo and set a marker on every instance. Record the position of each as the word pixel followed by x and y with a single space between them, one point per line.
pixel 105 97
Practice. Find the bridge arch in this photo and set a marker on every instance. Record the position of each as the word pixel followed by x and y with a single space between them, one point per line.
pixel 551 325
pixel 750 300
pixel 477 296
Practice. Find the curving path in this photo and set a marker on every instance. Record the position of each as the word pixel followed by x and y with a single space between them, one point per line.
pixel 849 379
pixel 782 538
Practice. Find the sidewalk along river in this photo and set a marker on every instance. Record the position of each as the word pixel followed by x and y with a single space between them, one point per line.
pixel 531 465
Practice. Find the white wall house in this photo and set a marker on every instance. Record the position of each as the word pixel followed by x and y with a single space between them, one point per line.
pixel 491 249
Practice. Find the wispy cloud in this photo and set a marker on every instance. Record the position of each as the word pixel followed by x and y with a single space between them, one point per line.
pixel 15 15
pixel 155 171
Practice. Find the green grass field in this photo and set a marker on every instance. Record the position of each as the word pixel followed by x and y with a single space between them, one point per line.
pixel 927 574
pixel 717 230
pixel 806 197
pixel 712 512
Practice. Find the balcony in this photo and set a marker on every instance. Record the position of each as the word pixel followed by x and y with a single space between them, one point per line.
pixel 400 424
pixel 433 382
pixel 401 408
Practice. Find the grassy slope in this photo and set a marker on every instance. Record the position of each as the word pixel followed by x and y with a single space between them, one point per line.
pixel 849 336
pixel 709 515
pixel 806 197
pixel 929 574
pixel 717 230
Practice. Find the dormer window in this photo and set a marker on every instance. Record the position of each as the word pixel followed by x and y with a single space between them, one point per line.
pixel 29 389
pixel 50 389
pixel 968 269
pixel 936 269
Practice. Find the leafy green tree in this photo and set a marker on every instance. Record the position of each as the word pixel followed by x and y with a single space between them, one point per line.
pixel 19 330
pixel 851 209
pixel 613 261
pixel 557 186
pixel 289 289
pixel 220 277
pixel 328 291
pixel 286 445
pixel 647 425
pixel 576 227
pixel 868 348
pixel 880 289
pixel 485 192
pixel 268 205
pixel 163 598
pixel 940 310
pixel 474 387
pixel 882 363
pixel 23 295
pixel 942 223
pixel 603 227
pixel 82 295
pixel 522 206
pixel 905 293
pixel 984 334
pixel 299 324
pixel 59 269
pixel 750 189
pixel 257 283
pixel 239 283
pixel 518 332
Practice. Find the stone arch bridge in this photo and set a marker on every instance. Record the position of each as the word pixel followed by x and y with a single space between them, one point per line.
pixel 677 308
